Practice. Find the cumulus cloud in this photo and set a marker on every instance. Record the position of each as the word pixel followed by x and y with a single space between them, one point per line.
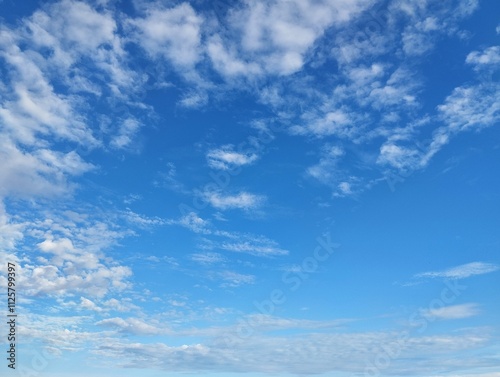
pixel 51 280
pixel 68 257
pixel 275 37
pixel 173 34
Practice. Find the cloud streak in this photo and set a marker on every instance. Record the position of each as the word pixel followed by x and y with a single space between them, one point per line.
pixel 461 272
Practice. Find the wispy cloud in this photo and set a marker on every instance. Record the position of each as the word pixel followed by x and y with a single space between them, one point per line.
pixel 128 129
pixel 255 246
pixel 243 200
pixel 226 158
pixel 461 272
pixel 216 239
pixel 452 312
pixel 134 326
pixel 208 258
pixel 192 222
pixel 235 279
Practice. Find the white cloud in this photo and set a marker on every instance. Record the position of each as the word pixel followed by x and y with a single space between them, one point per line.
pixel 489 56
pixel 400 89
pixel 235 279
pixel 194 99
pixel 10 232
pixel 61 281
pixel 207 258
pixel 123 305
pixel 461 272
pixel 398 157
pixel 336 122
pixel 33 110
pixel 74 30
pixel 426 22
pixel 53 59
pixel 134 326
pixel 329 172
pixel 226 62
pixel 77 24
pixel 87 304
pixel 254 245
pixel 193 222
pixel 363 76
pixel 327 168
pixel 226 158
pixel 141 220
pixel 417 39
pixel 345 188
pixel 126 133
pixel 452 312
pixel 64 252
pixel 172 33
pixel 57 332
pixel 39 173
pixel 243 200
pixel 471 106
pixel 276 36
pixel 67 255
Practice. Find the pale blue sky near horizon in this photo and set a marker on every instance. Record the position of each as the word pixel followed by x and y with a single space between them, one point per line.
pixel 275 188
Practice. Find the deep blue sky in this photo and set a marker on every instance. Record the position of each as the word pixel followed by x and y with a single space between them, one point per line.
pixel 283 187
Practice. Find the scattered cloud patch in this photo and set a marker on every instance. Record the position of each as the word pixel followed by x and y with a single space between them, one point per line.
pixel 193 222
pixel 173 34
pixel 128 129
pixel 226 158
pixel 255 246
pixel 243 200
pixel 489 56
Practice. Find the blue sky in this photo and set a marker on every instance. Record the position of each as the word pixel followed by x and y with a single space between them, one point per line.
pixel 282 187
